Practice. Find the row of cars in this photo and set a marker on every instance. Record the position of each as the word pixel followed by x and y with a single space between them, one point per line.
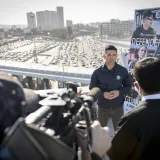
pixel 14 45
pixel 9 51
pixel 73 54
pixel 14 52
pixel 81 52
pixel 66 54
pixel 17 56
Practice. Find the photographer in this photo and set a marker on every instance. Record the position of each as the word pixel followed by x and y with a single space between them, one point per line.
pixel 18 102
pixel 14 103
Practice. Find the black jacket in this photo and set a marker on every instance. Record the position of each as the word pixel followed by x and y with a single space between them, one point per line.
pixel 141 33
pixel 138 134
pixel 116 79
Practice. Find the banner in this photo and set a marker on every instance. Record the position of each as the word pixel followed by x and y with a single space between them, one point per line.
pixel 145 42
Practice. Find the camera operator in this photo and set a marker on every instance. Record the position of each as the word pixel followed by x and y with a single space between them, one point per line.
pixel 14 103
pixel 18 102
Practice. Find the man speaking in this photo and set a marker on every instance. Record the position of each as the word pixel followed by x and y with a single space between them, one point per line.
pixel 114 82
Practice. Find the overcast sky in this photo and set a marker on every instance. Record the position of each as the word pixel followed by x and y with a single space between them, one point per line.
pixel 14 11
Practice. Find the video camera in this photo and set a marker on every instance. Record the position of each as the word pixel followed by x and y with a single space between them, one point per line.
pixel 49 133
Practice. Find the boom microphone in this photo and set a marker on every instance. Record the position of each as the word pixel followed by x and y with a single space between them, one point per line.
pixel 92 96
pixel 94 93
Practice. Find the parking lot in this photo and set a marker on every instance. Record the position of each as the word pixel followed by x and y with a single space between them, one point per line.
pixel 80 52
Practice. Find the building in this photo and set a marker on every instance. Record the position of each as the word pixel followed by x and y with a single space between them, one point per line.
pixel 40 20
pixel 69 23
pixel 60 16
pixel 117 28
pixel 127 27
pixel 55 19
pixel 110 28
pixel 2 34
pixel 95 24
pixel 14 27
pixel 47 20
pixel 26 30
pixel 31 20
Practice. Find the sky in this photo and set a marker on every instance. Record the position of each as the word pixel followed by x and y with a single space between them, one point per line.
pixel 80 11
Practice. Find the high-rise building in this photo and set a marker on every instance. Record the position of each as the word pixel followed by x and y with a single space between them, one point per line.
pixel 40 20
pixel 47 20
pixel 69 23
pixel 31 20
pixel 60 16
pixel 54 18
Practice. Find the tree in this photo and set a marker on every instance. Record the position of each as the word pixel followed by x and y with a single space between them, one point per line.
pixel 34 31
pixel 19 30
pixel 60 33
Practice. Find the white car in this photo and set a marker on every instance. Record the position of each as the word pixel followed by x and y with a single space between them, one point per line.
pixel 74 65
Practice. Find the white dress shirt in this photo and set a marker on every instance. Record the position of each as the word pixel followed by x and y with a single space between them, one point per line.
pixel 152 96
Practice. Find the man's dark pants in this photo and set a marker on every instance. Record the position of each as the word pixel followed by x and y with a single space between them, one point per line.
pixel 105 114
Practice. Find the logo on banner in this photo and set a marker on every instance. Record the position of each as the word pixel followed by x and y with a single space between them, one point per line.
pixel 158 14
pixel 118 77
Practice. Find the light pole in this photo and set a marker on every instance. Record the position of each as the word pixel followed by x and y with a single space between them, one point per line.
pixel 34 47
pixel 101 46
pixel 63 75
pixel 82 47
pixel 35 54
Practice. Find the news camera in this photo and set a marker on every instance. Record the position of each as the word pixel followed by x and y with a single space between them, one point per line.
pixel 49 133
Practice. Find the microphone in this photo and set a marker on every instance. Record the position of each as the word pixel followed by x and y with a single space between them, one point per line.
pixel 94 93
pixel 92 96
